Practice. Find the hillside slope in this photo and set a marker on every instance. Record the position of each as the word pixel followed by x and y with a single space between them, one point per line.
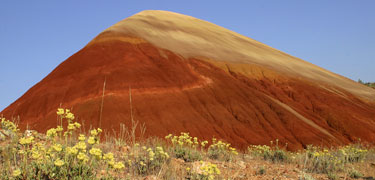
pixel 186 74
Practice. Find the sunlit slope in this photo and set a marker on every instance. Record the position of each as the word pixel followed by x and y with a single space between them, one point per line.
pixel 192 37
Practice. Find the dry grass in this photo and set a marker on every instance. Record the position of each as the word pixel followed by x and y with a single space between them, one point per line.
pixel 31 155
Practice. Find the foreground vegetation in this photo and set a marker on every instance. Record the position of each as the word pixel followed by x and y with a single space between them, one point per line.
pixel 65 152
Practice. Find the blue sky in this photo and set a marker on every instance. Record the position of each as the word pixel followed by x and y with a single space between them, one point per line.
pixel 36 36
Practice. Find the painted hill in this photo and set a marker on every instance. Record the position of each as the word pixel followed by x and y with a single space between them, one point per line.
pixel 186 74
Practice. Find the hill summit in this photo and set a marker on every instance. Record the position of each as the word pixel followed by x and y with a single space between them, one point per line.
pixel 176 73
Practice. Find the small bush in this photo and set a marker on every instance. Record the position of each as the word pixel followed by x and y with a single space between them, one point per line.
pixel 146 160
pixel 206 171
pixel 261 171
pixel 186 147
pixel 221 151
pixel 355 174
pixel 326 161
pixel 267 153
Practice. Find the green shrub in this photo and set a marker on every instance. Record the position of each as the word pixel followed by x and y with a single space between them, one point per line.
pixel 320 160
pixel 355 174
pixel 261 171
pixel 206 171
pixel 186 147
pixel 267 153
pixel 146 160
pixel 221 151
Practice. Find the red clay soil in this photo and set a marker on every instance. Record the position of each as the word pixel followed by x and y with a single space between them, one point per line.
pixel 172 94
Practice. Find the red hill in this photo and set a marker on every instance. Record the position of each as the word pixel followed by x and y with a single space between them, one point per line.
pixel 190 75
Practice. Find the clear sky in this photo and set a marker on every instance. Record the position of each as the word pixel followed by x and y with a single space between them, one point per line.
pixel 36 36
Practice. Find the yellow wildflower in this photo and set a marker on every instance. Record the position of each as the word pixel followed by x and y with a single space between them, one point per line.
pixel 71 126
pixel 67 133
pixel 35 154
pixel 26 141
pixel 21 151
pixel 6 124
pixel 169 136
pixel 91 140
pixel 203 143
pixel 71 150
pixel 111 162
pixel 83 157
pixel 81 145
pixel 118 165
pixel 78 125
pixel 166 155
pixel 59 129
pixel 108 156
pixel 151 154
pixel 96 152
pixel 60 111
pixel 159 149
pixel 59 162
pixel 51 133
pixel 69 116
pixel 94 132
pixel 316 154
pixel 16 173
pixel 82 137
pixel 57 147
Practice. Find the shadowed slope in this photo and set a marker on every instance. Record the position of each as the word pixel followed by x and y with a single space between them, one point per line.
pixel 190 75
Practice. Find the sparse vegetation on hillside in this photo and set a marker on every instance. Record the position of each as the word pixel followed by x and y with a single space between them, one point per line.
pixel 65 152
pixel 369 84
